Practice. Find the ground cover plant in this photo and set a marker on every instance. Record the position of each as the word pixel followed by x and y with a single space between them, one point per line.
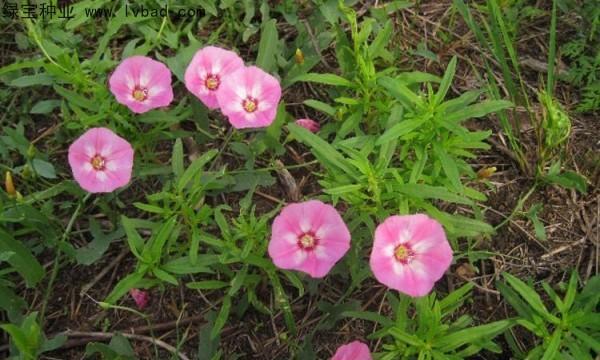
pixel 320 179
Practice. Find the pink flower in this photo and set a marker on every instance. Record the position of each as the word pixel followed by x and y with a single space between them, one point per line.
pixel 205 73
pixel 309 237
pixel 249 98
pixel 101 161
pixel 141 84
pixel 410 253
pixel 309 125
pixel 355 350
pixel 140 297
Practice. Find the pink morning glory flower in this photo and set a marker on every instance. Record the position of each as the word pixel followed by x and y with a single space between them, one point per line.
pixel 249 98
pixel 101 161
pixel 140 297
pixel 410 253
pixel 204 74
pixel 355 350
pixel 309 125
pixel 309 237
pixel 141 84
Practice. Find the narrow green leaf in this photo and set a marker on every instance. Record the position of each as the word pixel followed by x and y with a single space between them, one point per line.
pixel 478 110
pixel 322 149
pixel 158 242
pixel 123 286
pixel 267 47
pixel 446 81
pixel 470 335
pixel 423 191
pixel 449 166
pixel 207 285
pixel 135 241
pixel 326 79
pixel 400 129
pixel 222 317
pixel 184 266
pixel 321 106
pixel 177 158
pixel 530 296
pixel 194 169
pixel 44 106
pixel 402 93
pixel 553 346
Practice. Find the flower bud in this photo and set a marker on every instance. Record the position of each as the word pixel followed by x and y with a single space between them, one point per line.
pixel 9 185
pixel 486 172
pixel 299 56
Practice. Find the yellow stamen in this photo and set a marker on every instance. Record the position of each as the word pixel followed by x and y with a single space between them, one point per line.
pixel 307 241
pixel 97 162
pixel 212 82
pixel 140 94
pixel 249 105
pixel 402 253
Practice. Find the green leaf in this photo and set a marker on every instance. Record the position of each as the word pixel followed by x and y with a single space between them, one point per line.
pixel 423 191
pixel 20 341
pixel 538 226
pixel 21 65
pixel 407 98
pixel 94 250
pixel 368 316
pixel 400 129
pixel 208 349
pixel 321 106
pixel 409 339
pixel 321 149
pixel 446 81
pixel 44 106
pixel 158 242
pixel 571 291
pixel 530 296
pixel 165 276
pixel 478 110
pixel 77 99
pixel 194 168
pixel 177 158
pixel 553 346
pixel 184 265
pixel 149 208
pixel 327 79
pixel 207 284
pixel 569 180
pixel 222 317
pixel 44 168
pixel 11 303
pixel 471 335
pixel 135 241
pixel 32 80
pixel 448 165
pixel 267 47
pixel 413 77
pixel 377 47
pixel 22 259
pixel 282 302
pixel 123 286
pixel 588 340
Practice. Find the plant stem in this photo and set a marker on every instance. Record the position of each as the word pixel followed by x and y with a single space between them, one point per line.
pixel 56 265
pixel 517 208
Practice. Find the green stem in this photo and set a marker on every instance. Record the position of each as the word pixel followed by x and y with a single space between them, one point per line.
pixel 56 263
pixel 517 208
pixel 271 168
